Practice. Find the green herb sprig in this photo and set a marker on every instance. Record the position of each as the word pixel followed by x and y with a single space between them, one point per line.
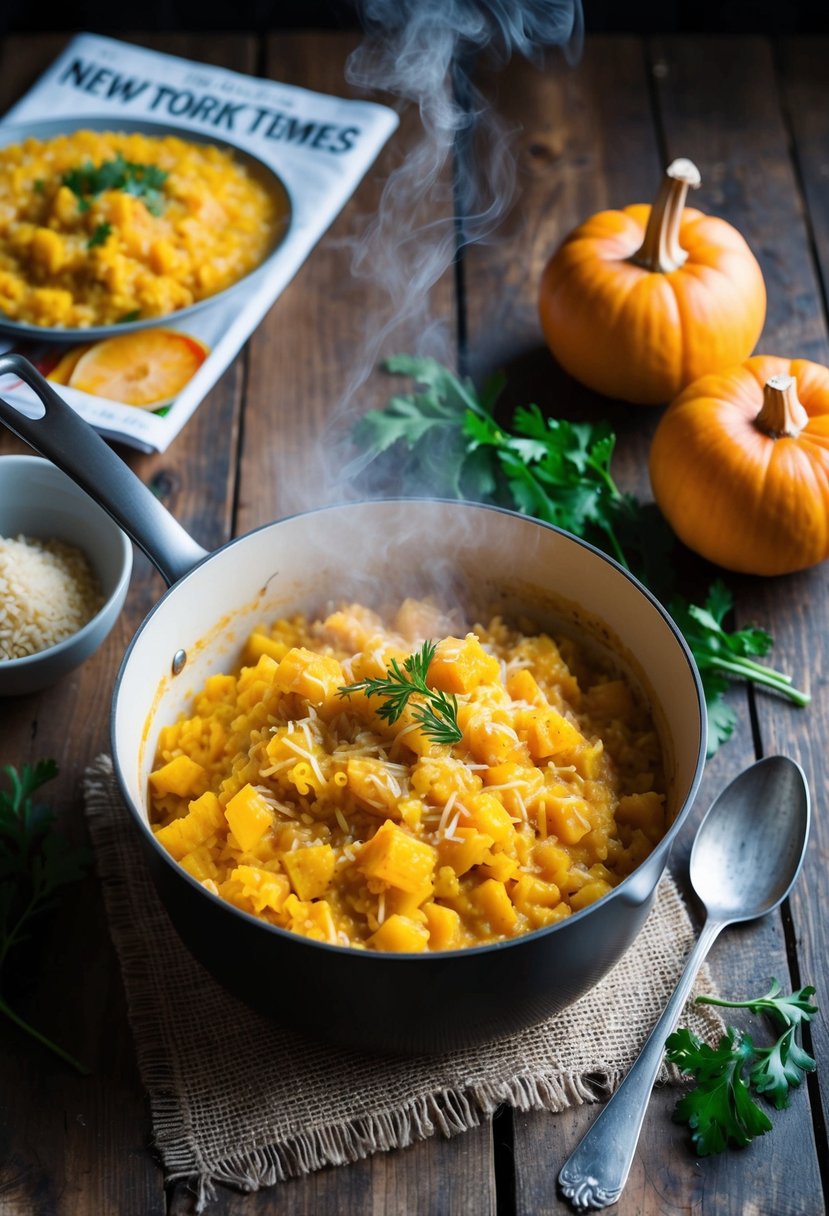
pixel 444 437
pixel 100 236
pixel 142 181
pixel 35 862
pixel 720 1109
pixel 435 711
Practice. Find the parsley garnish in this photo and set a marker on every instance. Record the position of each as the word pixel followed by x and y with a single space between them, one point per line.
pixel 720 1109
pixel 444 437
pixel 143 181
pixel 129 316
pixel 39 185
pixel 435 711
pixel 35 862
pixel 99 236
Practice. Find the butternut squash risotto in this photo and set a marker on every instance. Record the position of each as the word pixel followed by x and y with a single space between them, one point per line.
pixel 105 227
pixel 308 806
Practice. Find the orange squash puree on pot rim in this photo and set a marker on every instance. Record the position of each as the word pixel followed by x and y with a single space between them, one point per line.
pixel 305 808
pixel 78 249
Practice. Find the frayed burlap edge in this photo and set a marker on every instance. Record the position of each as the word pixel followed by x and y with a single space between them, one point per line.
pixel 448 1112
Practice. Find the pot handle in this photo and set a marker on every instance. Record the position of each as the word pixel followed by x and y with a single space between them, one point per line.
pixel 62 436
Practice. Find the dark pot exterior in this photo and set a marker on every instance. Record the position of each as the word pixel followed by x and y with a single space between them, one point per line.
pixel 406 1004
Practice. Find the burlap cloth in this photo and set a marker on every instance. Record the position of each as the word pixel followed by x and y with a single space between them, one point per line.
pixel 237 1099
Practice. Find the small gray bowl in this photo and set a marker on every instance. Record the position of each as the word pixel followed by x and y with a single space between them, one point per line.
pixel 38 500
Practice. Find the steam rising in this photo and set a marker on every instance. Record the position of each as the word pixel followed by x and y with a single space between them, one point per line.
pixel 422 53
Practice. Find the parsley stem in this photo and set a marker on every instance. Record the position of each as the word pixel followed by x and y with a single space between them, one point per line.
pixel 8 1012
pixel 757 674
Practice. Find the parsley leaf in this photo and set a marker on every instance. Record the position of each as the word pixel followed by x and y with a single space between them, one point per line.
pixel 35 862
pixel 778 1067
pixel 443 438
pixel 435 711
pixel 720 1109
pixel 99 236
pixel 143 181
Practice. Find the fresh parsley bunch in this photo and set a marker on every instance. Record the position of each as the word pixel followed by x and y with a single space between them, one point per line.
pixel 444 437
pixel 720 1109
pixel 35 862
pixel 142 181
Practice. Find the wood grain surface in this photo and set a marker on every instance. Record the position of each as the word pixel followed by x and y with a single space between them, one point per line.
pixel 755 117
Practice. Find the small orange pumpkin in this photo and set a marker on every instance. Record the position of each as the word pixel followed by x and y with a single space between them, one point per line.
pixel 638 303
pixel 739 466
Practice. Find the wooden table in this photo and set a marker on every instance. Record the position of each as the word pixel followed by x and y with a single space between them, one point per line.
pixel 755 118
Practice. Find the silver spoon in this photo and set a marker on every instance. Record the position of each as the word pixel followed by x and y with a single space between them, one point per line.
pixel 747 854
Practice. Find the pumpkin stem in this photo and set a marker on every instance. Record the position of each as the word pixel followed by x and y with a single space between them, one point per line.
pixel 661 251
pixel 782 414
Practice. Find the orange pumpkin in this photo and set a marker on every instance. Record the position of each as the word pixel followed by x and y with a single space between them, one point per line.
pixel 739 465
pixel 638 303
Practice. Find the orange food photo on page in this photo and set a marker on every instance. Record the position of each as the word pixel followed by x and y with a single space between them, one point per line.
pixel 147 368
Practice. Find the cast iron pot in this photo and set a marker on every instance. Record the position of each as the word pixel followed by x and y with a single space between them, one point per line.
pixel 487 559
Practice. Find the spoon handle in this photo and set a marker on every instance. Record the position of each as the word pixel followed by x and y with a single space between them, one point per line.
pixel 596 1171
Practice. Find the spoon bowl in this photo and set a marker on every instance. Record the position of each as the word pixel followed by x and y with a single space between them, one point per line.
pixel 747 854
pixel 750 846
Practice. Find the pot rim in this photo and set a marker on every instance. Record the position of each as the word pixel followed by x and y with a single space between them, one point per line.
pixel 659 854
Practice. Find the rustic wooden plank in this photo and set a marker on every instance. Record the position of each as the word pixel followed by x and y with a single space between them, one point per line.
pixel 720 104
pixel 320 333
pixel 430 1178
pixel 799 603
pixel 590 140
pixel 69 1145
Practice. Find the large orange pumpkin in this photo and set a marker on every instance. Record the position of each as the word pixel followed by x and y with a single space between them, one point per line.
pixel 638 303
pixel 739 465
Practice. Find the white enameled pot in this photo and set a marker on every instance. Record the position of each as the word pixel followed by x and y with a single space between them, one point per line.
pixel 481 558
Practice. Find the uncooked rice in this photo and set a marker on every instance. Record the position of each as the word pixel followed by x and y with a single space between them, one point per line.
pixel 47 593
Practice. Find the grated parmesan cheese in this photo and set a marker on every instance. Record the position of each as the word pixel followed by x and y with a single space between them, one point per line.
pixel 47 593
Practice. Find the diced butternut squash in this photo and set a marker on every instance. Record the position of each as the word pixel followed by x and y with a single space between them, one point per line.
pixel 611 699
pixel 548 733
pixel 204 818
pixel 374 786
pixel 443 925
pixel 523 686
pixel 567 817
pixel 200 864
pixel 553 861
pixel 181 776
pixel 436 778
pixel 316 677
pixel 487 815
pixel 265 890
pixel 487 734
pixel 500 866
pixel 461 664
pixel 495 904
pixel 249 817
pixel 589 893
pixel 260 643
pixel 645 811
pixel 589 760
pixel 467 848
pixel 314 919
pixel 532 891
pixel 397 859
pixel 400 935
pixel 310 870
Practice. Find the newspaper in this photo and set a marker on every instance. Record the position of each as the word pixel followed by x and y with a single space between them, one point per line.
pixel 319 146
